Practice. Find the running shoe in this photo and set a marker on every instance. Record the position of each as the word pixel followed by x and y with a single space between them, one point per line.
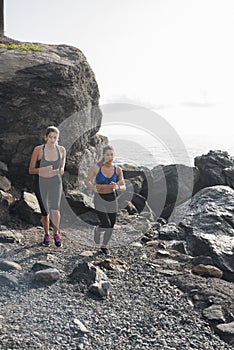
pixel 104 250
pixel 57 240
pixel 46 241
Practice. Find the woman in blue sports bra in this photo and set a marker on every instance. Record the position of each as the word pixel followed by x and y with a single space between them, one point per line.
pixel 108 179
pixel 47 165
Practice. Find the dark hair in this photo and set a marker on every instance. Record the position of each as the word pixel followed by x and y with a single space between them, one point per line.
pixel 104 150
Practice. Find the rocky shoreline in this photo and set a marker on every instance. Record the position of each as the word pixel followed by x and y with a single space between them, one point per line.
pixel 168 282
pixel 154 300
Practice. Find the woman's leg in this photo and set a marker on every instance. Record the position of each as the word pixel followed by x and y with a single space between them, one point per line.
pixel 55 195
pixel 45 220
pixel 55 220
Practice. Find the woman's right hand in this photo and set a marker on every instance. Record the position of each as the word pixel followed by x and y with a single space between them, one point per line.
pixel 47 171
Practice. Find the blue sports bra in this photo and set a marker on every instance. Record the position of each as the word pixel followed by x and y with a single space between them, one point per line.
pixel 103 180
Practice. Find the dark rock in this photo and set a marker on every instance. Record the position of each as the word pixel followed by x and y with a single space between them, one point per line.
pixel 3 168
pixel 79 202
pixel 229 176
pixel 226 331
pixel 8 280
pixel 27 208
pixel 42 265
pixel 100 288
pixel 205 260
pixel 209 227
pixel 5 184
pixel 171 232
pixel 10 237
pixel 88 273
pixel 171 186
pixel 212 167
pixel 39 88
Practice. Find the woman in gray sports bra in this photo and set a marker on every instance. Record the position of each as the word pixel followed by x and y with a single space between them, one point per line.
pixel 47 165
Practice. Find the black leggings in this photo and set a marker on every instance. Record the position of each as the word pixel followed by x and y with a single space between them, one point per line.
pixel 106 208
pixel 49 193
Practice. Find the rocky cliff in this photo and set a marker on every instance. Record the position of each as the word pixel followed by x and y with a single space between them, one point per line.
pixel 53 85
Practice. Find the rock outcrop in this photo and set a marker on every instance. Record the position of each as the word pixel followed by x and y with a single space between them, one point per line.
pixel 209 227
pixel 52 86
pixel 215 168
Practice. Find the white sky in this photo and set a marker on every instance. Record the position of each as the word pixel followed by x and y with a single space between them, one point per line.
pixel 174 56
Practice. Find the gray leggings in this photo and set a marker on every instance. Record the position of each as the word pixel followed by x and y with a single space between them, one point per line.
pixel 49 193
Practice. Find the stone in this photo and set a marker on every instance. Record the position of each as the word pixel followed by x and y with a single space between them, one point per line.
pixel 88 273
pixel 10 237
pixel 42 265
pixel 8 280
pixel 207 271
pixel 212 167
pixel 5 183
pixel 27 208
pixel 80 326
pixel 171 185
pixel 113 264
pixel 226 328
pixel 67 97
pixel 171 232
pixel 209 227
pixel 214 313
pixel 3 167
pixel 6 265
pixel 50 275
pixel 100 288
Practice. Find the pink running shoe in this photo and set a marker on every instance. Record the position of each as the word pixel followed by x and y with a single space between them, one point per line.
pixel 57 240
pixel 46 241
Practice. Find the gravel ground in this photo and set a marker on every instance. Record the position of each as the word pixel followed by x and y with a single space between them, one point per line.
pixel 142 311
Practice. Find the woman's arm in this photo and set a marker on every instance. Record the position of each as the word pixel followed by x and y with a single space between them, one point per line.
pixel 32 166
pixel 120 183
pixel 91 174
pixel 63 160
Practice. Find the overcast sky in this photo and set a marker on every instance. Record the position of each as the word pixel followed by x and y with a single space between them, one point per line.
pixel 174 56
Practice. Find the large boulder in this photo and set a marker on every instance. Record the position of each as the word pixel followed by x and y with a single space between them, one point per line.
pixel 54 85
pixel 209 227
pixel 171 185
pixel 215 168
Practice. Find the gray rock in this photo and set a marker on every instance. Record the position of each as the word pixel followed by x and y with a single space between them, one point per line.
pixel 212 167
pixel 88 273
pixel 42 265
pixel 8 280
pixel 66 96
pixel 5 183
pixel 10 237
pixel 80 326
pixel 171 185
pixel 226 331
pixel 214 313
pixel 171 232
pixel 207 271
pixel 6 265
pixel 27 208
pixel 48 275
pixel 209 227
pixel 100 288
pixel 3 167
